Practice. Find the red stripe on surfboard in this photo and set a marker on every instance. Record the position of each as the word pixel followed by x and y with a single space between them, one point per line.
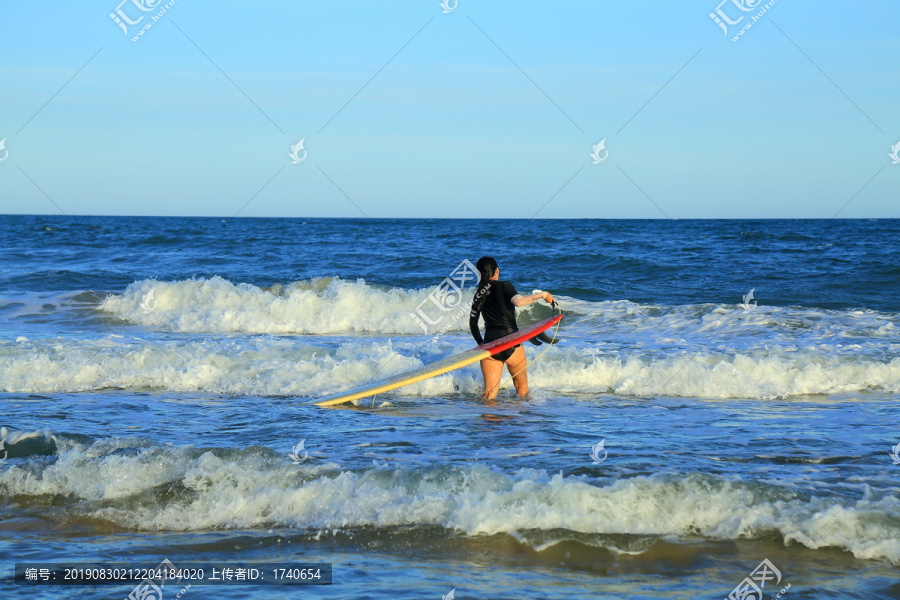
pixel 517 337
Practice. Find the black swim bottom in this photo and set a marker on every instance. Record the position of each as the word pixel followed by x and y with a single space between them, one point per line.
pixel 491 334
pixel 506 354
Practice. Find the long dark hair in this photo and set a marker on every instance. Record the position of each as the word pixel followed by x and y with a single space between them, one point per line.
pixel 486 266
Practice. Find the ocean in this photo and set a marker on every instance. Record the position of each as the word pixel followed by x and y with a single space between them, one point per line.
pixel 683 440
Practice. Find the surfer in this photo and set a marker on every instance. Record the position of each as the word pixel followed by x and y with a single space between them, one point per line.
pixel 497 301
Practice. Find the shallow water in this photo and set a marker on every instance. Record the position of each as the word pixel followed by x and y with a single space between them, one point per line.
pixel 730 435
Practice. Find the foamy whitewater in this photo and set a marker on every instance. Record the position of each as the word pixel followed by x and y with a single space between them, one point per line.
pixel 114 480
pixel 620 347
pixel 156 374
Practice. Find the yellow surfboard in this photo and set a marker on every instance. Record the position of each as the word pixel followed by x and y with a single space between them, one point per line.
pixel 439 368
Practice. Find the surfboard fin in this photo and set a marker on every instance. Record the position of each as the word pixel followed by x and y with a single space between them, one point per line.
pixel 543 337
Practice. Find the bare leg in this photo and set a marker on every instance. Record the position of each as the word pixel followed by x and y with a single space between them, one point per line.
pixel 491 369
pixel 518 368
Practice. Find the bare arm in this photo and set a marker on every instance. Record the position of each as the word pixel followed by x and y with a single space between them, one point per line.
pixel 520 300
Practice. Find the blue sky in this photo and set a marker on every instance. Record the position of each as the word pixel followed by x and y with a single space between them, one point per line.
pixel 490 110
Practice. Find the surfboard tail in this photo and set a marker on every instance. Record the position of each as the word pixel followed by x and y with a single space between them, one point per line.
pixel 448 364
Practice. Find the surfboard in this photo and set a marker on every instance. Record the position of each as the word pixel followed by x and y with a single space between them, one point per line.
pixel 443 366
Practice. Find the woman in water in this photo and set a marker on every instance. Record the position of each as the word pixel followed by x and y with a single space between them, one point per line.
pixel 497 301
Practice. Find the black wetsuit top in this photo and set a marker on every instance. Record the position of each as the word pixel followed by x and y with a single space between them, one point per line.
pixel 499 316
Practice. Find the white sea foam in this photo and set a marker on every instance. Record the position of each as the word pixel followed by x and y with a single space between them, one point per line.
pixel 616 346
pixel 320 306
pixel 334 306
pixel 635 322
pixel 762 373
pixel 294 367
pixel 256 488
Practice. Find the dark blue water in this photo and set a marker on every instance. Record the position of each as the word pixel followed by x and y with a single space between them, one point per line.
pixel 155 375
pixel 828 263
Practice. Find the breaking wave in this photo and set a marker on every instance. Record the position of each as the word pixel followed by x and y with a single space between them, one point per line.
pixel 132 483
